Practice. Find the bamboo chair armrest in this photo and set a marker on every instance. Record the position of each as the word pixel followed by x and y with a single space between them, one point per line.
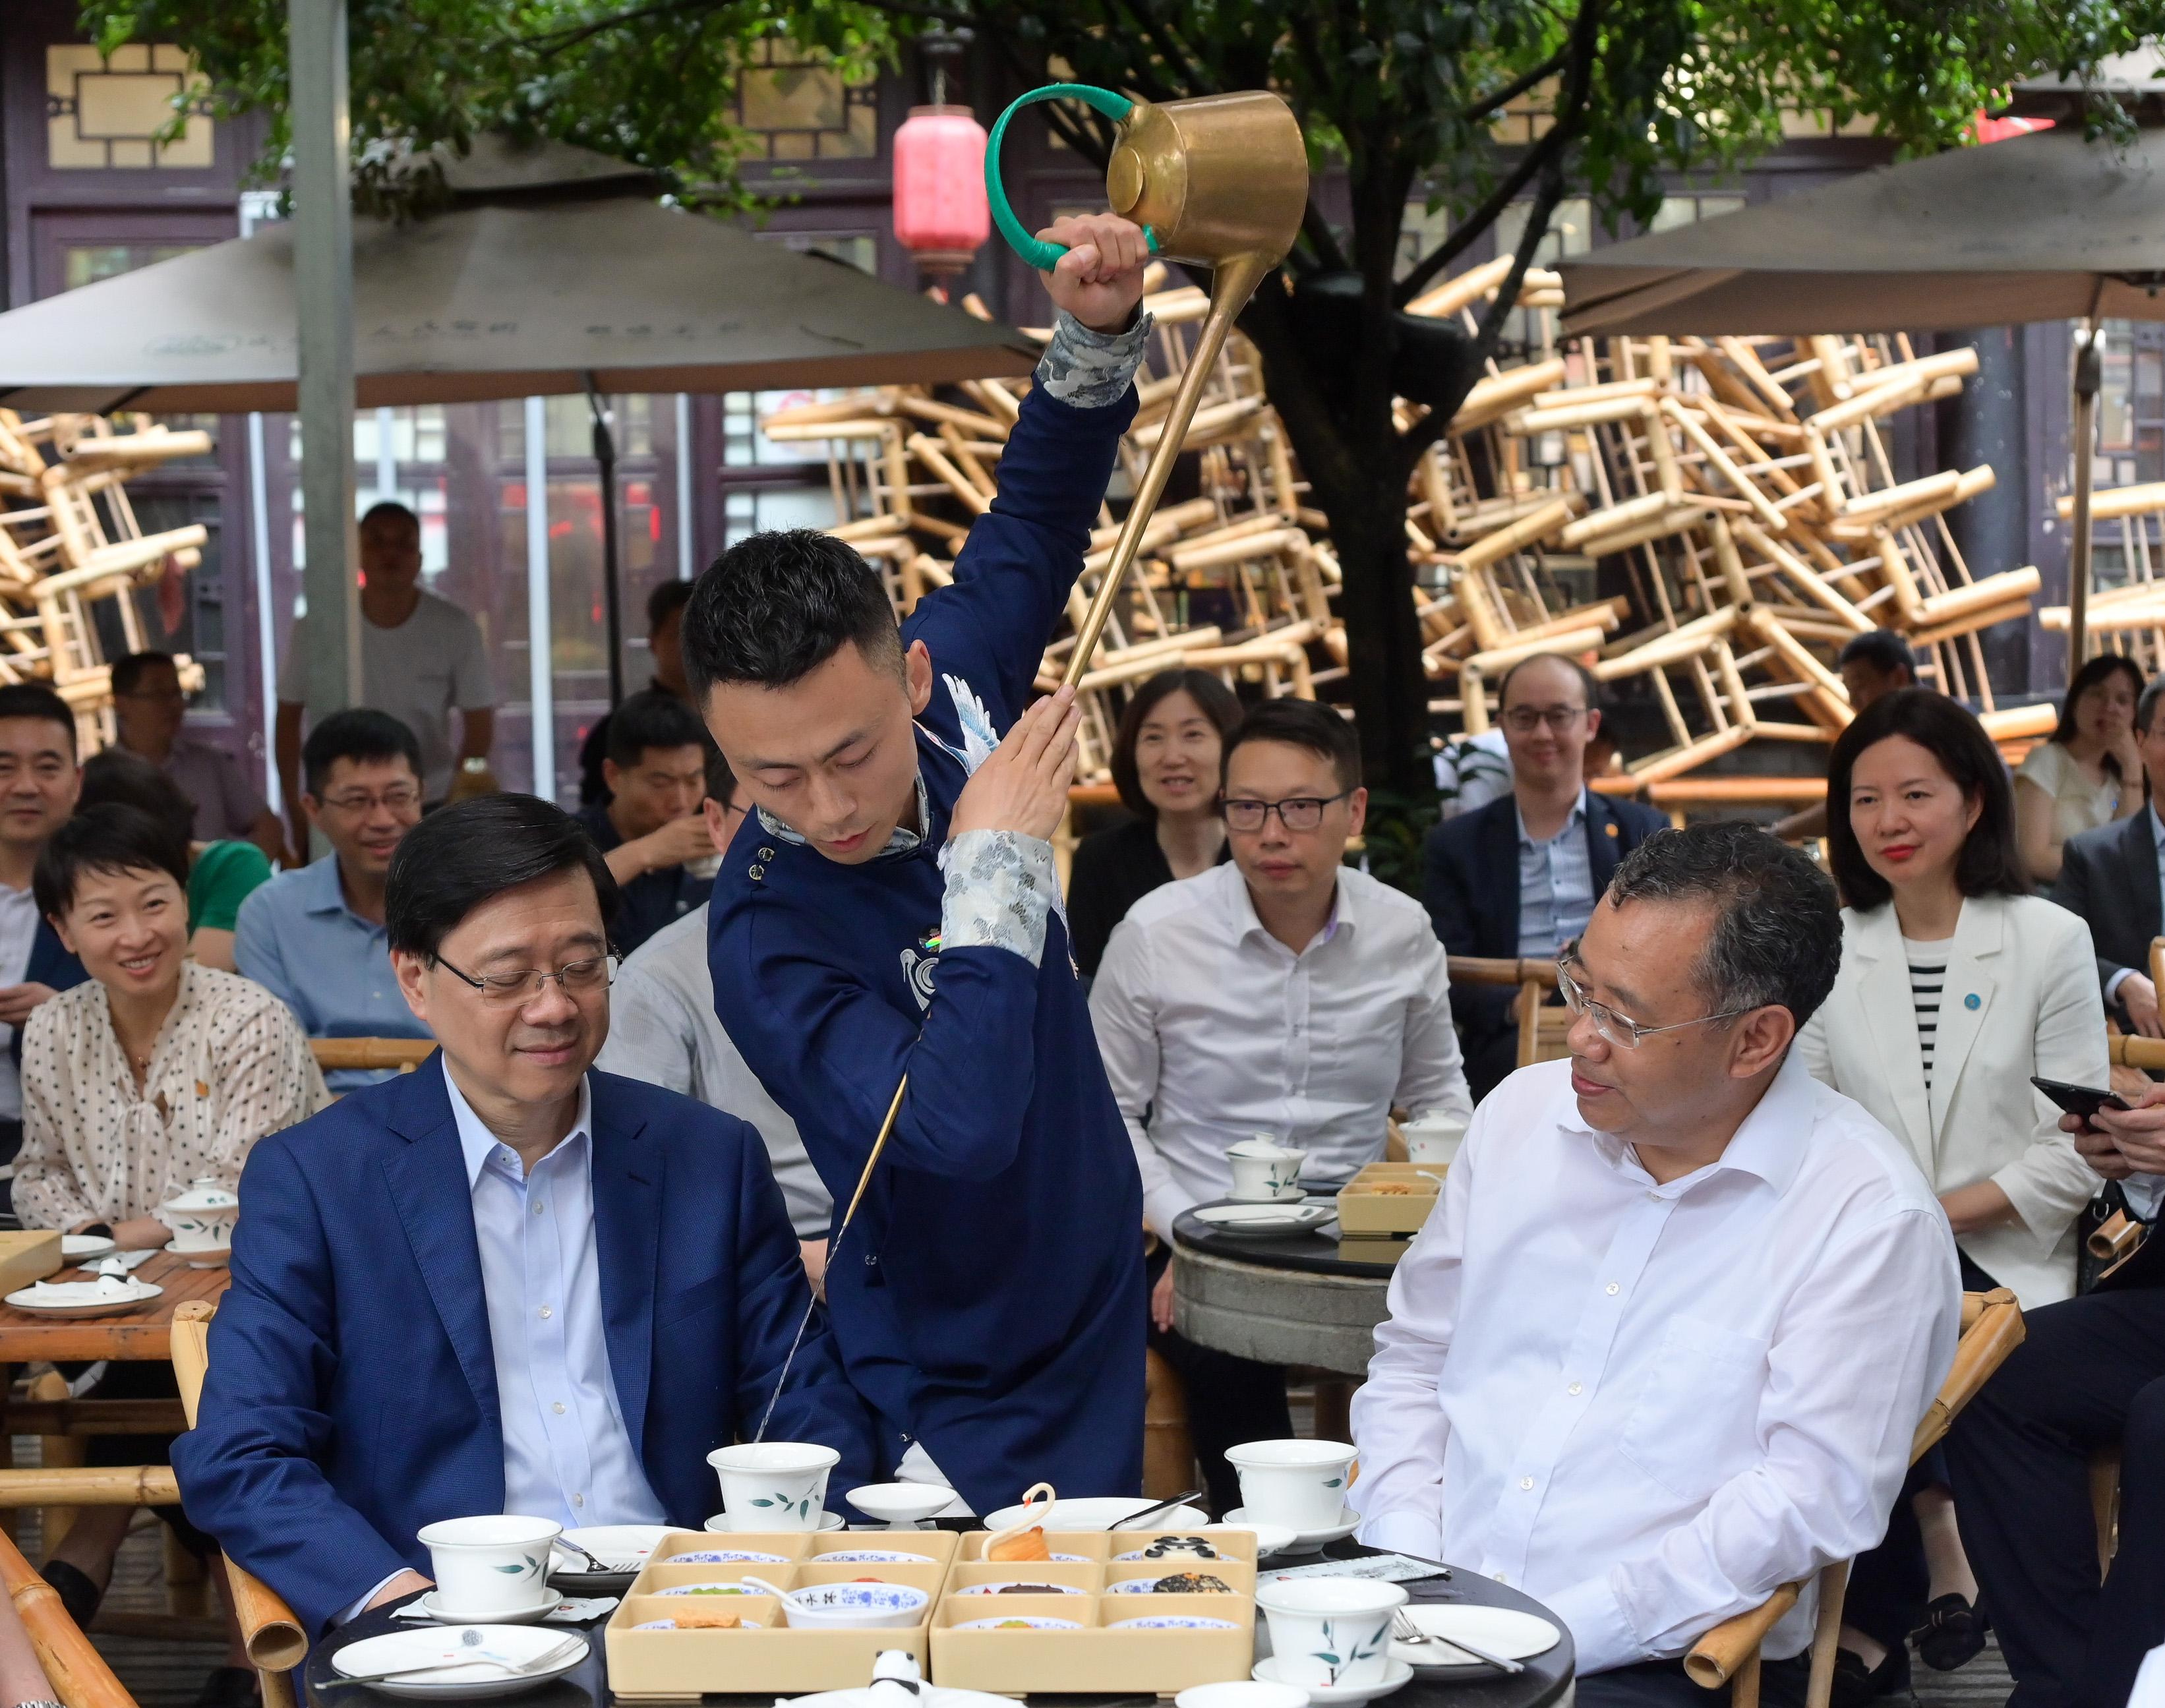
pixel 1477 969
pixel 78 1672
pixel 269 1628
pixel 1991 1328
pixel 2137 1052
pixel 1716 1658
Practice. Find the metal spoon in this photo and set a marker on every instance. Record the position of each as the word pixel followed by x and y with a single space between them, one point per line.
pixel 1153 1511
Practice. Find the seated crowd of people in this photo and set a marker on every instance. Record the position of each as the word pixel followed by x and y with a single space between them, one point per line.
pixel 1660 1348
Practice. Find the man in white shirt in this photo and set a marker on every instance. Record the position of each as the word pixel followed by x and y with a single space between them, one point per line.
pixel 1281 993
pixel 1663 1344
pixel 421 659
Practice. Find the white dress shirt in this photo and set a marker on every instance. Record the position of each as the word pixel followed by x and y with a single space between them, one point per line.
pixel 1649 1406
pixel 566 1453
pixel 1218 1031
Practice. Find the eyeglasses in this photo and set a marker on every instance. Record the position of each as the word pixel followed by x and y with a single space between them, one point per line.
pixel 1523 720
pixel 402 797
pixel 577 978
pixel 1304 812
pixel 1613 1028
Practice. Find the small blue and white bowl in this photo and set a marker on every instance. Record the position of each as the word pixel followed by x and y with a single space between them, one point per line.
pixel 726 1557
pixel 1017 1621
pixel 872 1557
pixel 856 1607
pixel 671 1624
pixel 713 1588
pixel 1172 1621
pixel 1020 1583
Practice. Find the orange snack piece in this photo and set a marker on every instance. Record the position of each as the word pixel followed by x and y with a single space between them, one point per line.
pixel 708 1619
pixel 1391 1189
pixel 1024 1545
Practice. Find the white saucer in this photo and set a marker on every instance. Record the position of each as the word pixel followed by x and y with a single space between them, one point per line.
pixel 720 1526
pixel 85 1303
pixel 1503 1632
pixel 1305 1540
pixel 1270 1538
pixel 525 1615
pixel 1264 1221
pixel 1098 1512
pixel 1396 1677
pixel 84 1249
pixel 469 1684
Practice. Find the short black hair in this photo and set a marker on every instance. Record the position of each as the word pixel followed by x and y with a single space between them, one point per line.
pixel 1777 939
pixel 1219 703
pixel 2146 708
pixel 721 781
pixel 106 839
pixel 387 507
pixel 34 700
pixel 1299 723
pixel 127 672
pixel 651 718
pixel 667 600
pixel 1587 679
pixel 2094 674
pixel 1990 863
pixel 474 851
pixel 773 609
pixel 1882 649
pixel 359 732
pixel 130 780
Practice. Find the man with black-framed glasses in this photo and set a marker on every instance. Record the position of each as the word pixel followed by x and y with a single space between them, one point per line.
pixel 1281 993
pixel 1517 877
pixel 1663 1344
pixel 505 1282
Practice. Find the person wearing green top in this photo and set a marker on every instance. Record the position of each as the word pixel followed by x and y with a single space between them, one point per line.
pixel 220 874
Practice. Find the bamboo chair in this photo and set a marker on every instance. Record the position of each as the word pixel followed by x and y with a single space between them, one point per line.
pixel 405 1054
pixel 275 1641
pixel 1729 1654
pixel 1542 1027
pixel 73 1666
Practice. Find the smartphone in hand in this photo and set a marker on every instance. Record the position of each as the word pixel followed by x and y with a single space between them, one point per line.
pixel 2078 1099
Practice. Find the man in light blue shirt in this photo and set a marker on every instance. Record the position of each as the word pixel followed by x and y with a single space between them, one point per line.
pixel 2113 877
pixel 315 938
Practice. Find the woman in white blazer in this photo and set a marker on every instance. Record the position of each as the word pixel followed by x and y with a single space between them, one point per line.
pixel 1955 986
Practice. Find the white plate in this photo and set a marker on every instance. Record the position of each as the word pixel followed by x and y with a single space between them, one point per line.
pixel 85 1305
pixel 515 1644
pixel 1099 1512
pixel 1303 1540
pixel 1396 1677
pixel 534 1614
pixel 83 1249
pixel 1264 1221
pixel 1508 1635
pixel 720 1524
pixel 624 1546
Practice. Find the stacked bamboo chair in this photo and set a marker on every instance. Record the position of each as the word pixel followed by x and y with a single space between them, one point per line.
pixel 70 543
pixel 1741 495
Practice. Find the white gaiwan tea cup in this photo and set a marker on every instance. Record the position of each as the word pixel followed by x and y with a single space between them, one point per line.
pixel 1434 1137
pixel 774 1485
pixel 491 1563
pixel 202 1218
pixel 1264 1171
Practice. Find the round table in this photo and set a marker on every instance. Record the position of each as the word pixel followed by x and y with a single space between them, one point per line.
pixel 1289 1301
pixel 1545 1682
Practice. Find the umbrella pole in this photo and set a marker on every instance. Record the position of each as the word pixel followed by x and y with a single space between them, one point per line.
pixel 612 593
pixel 2089 374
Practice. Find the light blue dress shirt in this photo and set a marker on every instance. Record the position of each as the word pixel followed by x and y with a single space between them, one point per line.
pixel 1556 885
pixel 566 1453
pixel 298 939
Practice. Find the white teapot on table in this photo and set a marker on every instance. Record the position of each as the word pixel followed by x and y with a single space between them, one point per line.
pixel 202 1218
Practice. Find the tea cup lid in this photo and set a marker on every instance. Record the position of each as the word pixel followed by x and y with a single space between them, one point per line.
pixel 204 1193
pixel 1265 1145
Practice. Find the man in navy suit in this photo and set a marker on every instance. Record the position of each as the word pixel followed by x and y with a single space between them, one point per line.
pixel 503 1283
pixel 1518 875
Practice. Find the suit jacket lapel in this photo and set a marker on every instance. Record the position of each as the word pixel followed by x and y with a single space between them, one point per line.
pixel 1500 855
pixel 1965 1000
pixel 1890 1016
pixel 627 1189
pixel 1603 838
pixel 2138 846
pixel 428 1182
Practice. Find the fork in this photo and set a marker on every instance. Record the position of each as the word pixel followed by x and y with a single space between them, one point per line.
pixel 470 1638
pixel 1406 1632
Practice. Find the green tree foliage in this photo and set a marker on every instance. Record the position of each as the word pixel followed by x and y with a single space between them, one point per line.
pixel 1399 96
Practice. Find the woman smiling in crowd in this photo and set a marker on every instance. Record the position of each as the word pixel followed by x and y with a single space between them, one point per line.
pixel 2088 773
pixel 1165 765
pixel 1957 985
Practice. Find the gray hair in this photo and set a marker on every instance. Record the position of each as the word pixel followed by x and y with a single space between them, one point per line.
pixel 1776 936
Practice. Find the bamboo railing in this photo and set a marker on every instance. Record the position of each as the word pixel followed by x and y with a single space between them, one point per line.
pixel 78 1672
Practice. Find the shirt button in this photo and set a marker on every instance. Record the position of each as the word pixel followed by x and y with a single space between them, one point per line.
pixel 558 1408
pixel 578 1500
pixel 1501 1579
pixel 1576 1388
pixel 539 1208
pixel 1653 1197
pixel 547 1313
pixel 1610 1289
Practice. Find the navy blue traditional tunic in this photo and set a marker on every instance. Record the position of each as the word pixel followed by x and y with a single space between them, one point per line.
pixel 989 1299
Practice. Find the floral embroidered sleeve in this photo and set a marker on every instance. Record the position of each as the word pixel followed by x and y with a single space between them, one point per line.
pixel 1091 370
pixel 1000 887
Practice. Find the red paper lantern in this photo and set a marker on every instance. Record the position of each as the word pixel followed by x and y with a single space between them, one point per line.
pixel 939 211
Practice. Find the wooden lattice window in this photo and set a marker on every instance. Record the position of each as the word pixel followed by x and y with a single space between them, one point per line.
pixel 798 108
pixel 103 114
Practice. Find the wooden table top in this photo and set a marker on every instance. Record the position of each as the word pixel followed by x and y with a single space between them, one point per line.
pixel 145 1333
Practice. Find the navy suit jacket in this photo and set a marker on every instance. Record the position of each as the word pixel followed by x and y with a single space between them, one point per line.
pixel 2109 876
pixel 51 962
pixel 352 1397
pixel 1472 891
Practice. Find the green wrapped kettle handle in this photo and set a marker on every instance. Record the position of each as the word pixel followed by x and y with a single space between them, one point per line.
pixel 1044 256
